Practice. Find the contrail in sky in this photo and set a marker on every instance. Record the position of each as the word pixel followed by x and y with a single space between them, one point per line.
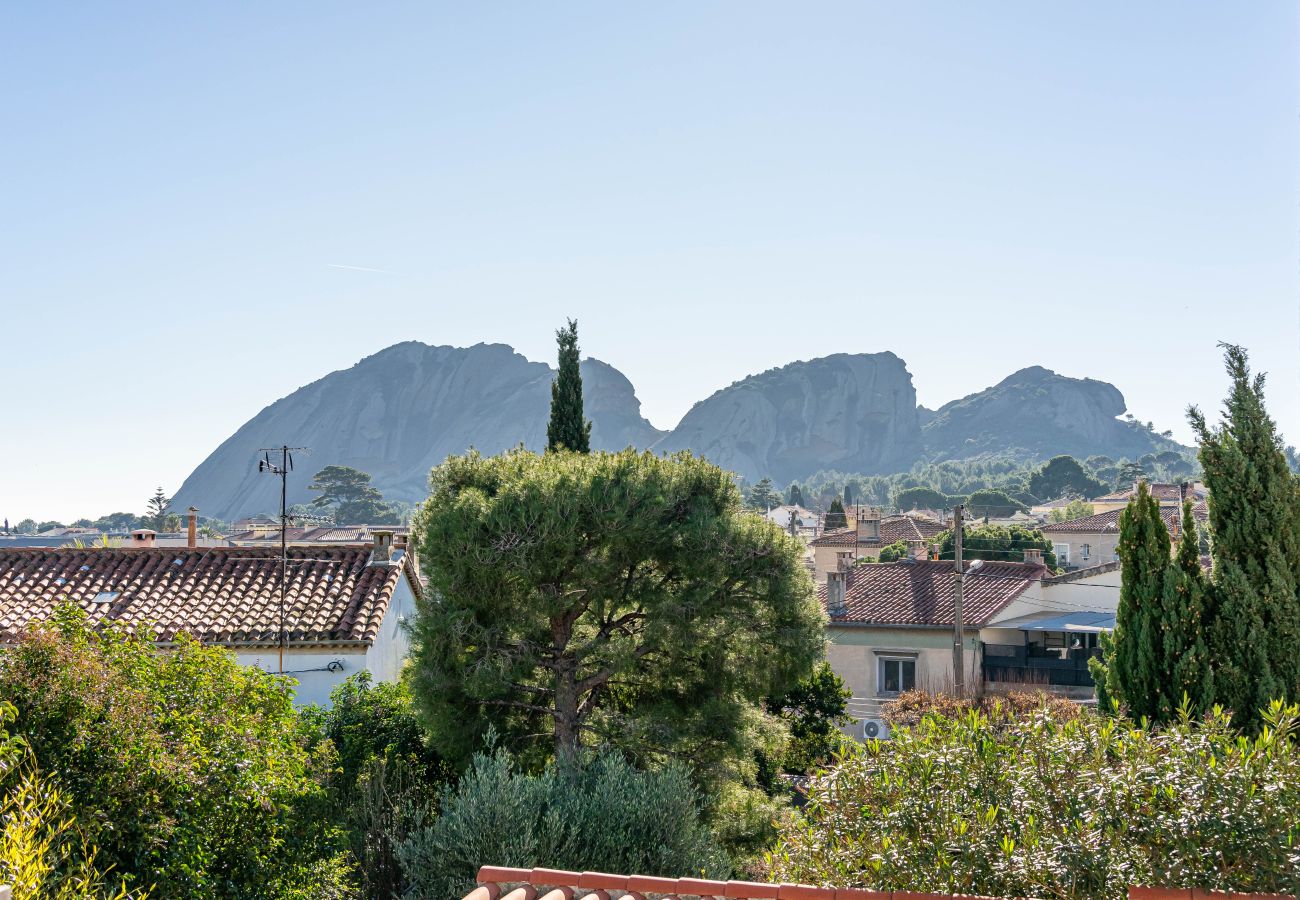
pixel 359 268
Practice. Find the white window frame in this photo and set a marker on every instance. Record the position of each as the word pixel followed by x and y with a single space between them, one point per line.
pixel 1062 552
pixel 882 661
pixel 1085 551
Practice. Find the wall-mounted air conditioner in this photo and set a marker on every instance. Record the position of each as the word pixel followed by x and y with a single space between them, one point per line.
pixel 875 730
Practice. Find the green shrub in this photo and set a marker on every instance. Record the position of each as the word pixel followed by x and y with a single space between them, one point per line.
pixel 1042 808
pixel 386 770
pixel 191 773
pixel 598 814
pixel 912 706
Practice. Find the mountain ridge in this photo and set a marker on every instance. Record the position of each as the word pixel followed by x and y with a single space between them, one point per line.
pixel 402 410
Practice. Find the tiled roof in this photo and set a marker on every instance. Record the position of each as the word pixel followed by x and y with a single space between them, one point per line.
pixel 1108 522
pixel 217 594
pixel 922 592
pixel 892 530
pixel 501 883
pixel 1164 493
pixel 553 884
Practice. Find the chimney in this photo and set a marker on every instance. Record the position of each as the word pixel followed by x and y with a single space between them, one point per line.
pixel 918 550
pixel 844 560
pixel 382 555
pixel 192 531
pixel 142 537
pixel 868 525
pixel 1033 556
pixel 836 604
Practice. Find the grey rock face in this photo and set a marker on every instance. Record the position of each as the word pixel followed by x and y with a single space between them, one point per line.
pixel 1036 413
pixel 399 413
pixel 851 412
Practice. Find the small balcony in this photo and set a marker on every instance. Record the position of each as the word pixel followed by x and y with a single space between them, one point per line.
pixel 1029 664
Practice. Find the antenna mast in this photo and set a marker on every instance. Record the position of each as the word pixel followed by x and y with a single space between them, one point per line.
pixel 283 469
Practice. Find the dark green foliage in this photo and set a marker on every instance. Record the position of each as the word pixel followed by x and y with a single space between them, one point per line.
pixel 353 500
pixel 835 517
pixel 568 430
pixel 1039 807
pixel 1130 473
pixel 920 498
pixel 1186 656
pixel 190 772
pixel 814 709
pixel 795 496
pixel 1136 673
pixel 762 496
pixel 848 494
pixel 606 598
pixel 1062 476
pixel 385 771
pixel 1000 543
pixel 1254 519
pixel 155 516
pixel 891 552
pixel 990 502
pixel 595 814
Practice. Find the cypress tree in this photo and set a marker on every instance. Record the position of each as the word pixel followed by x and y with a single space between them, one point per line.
pixel 568 430
pixel 1133 669
pixel 796 495
pixel 1186 654
pixel 835 517
pixel 1254 524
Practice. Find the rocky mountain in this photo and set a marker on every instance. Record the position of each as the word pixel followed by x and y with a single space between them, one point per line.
pixel 851 412
pixel 400 412
pixel 1035 413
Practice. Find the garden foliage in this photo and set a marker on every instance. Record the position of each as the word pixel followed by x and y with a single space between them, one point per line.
pixel 1037 807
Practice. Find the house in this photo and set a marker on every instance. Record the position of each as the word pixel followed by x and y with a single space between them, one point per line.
pixel 344 604
pixel 865 538
pixel 806 522
pixel 1049 648
pixel 315 534
pixel 1164 494
pixel 890 626
pixel 1092 540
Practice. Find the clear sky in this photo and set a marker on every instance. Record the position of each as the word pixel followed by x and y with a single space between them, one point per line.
pixel 713 189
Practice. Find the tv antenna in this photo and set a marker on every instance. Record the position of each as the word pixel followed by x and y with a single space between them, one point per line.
pixel 282 469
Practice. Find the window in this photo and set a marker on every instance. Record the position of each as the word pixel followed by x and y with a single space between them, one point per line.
pixel 896 676
pixel 1062 552
pixel 1085 551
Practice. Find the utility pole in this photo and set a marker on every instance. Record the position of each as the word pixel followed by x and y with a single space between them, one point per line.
pixel 282 470
pixel 958 639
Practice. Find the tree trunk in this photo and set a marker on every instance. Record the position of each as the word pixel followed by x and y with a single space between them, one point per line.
pixel 566 692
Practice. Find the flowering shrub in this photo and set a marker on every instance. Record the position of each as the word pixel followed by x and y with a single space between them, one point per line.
pixel 1038 807
pixel 911 706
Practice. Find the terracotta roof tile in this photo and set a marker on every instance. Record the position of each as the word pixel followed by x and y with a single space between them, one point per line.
pixel 1108 522
pixel 216 594
pixel 922 592
pixel 892 530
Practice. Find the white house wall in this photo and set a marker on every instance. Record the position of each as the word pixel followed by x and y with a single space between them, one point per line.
pixel 309 668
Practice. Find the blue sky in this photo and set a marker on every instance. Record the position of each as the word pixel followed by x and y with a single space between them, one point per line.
pixel 713 189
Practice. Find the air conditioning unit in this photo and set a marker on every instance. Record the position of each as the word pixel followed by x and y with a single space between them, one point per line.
pixel 875 730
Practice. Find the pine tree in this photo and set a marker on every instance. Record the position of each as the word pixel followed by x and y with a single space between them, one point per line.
pixel 156 510
pixel 1133 667
pixel 568 430
pixel 1254 519
pixel 1186 655
pixel 835 517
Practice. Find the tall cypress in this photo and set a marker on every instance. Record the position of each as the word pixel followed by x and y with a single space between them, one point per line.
pixel 1186 655
pixel 568 430
pixel 1254 523
pixel 1134 671
pixel 835 517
